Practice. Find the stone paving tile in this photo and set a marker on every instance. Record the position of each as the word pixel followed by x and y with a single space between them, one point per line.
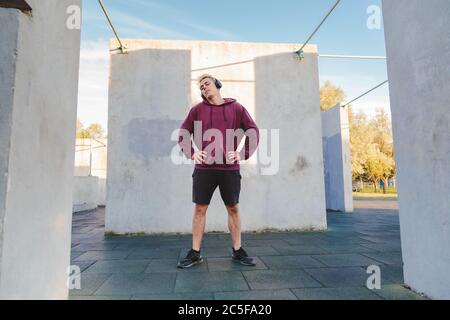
pixel 170 265
pixel 94 297
pixel 144 267
pixel 339 277
pixel 264 243
pixel 75 254
pixel 118 266
pixel 210 282
pixel 283 294
pixel 89 283
pixel 211 252
pixel 261 251
pixel 291 262
pixel 386 257
pixel 279 279
pixel 174 296
pixel 392 273
pixel 349 248
pixel 94 247
pixel 83 265
pixel 384 247
pixel 226 264
pixel 140 283
pixel 398 292
pixel 345 260
pixel 300 249
pixel 158 253
pixel 103 255
pixel 356 293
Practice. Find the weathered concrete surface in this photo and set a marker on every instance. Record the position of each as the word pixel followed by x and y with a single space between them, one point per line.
pixel 296 193
pixel 8 41
pixel 85 193
pixel 149 97
pixel 337 161
pixel 418 52
pixel 91 159
pixel 40 58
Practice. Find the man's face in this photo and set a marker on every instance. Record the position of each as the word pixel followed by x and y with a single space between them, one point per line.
pixel 208 88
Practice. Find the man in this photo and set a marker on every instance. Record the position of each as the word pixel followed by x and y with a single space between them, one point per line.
pixel 219 166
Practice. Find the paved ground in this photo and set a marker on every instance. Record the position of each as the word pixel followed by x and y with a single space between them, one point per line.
pixel 319 265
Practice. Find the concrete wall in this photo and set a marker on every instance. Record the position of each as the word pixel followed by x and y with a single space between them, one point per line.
pixel 40 58
pixel 85 193
pixel 96 167
pixel 418 52
pixel 336 157
pixel 148 96
pixel 151 91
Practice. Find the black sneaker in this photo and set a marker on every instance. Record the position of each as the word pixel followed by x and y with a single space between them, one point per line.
pixel 242 257
pixel 192 258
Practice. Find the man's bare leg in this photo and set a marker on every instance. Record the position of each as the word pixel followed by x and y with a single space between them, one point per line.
pixel 198 225
pixel 234 224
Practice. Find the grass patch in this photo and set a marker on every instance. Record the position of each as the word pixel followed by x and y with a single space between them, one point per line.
pixel 374 195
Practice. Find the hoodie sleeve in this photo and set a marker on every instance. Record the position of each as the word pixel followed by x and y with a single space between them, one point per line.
pixel 184 136
pixel 247 123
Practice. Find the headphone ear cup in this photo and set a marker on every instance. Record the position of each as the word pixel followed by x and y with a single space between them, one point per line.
pixel 218 84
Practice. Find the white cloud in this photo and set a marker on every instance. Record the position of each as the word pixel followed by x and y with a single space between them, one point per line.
pixel 132 25
pixel 93 83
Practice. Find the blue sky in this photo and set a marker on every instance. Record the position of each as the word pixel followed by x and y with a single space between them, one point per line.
pixel 284 21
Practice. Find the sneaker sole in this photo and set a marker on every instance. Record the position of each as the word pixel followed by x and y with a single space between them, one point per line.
pixel 243 263
pixel 190 265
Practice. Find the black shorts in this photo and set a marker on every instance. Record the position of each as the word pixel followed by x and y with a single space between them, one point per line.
pixel 205 182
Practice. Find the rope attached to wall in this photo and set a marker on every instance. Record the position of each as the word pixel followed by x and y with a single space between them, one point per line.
pixel 299 54
pixel 122 48
pixel 348 103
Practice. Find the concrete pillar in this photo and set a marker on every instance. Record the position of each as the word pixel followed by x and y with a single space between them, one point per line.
pixel 85 193
pixel 148 99
pixel 336 157
pixel 287 99
pixel 39 59
pixel 418 52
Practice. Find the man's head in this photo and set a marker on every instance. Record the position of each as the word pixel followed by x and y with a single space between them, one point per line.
pixel 209 86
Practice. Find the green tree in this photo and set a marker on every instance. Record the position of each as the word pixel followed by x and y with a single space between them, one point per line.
pixel 330 95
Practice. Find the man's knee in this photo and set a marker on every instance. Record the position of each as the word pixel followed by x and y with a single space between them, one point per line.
pixel 200 209
pixel 233 209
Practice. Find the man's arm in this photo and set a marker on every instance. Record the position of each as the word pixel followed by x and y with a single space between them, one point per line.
pixel 184 137
pixel 252 133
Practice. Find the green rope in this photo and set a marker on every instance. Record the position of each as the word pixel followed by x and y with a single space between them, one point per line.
pixel 299 54
pixel 384 82
pixel 122 48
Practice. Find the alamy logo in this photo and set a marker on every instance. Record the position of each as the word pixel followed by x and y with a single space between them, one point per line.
pixel 374 280
pixel 73 22
pixel 374 20
pixel 74 278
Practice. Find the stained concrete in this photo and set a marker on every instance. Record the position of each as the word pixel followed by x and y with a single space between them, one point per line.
pixel 337 161
pixel 148 98
pixel 91 159
pixel 85 193
pixel 39 68
pixel 418 58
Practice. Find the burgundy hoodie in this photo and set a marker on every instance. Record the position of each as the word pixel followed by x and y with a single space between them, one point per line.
pixel 230 115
